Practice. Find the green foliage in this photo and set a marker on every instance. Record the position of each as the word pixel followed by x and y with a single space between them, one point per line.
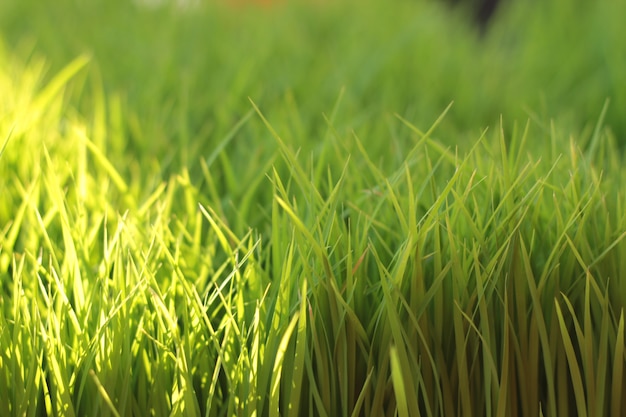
pixel 213 211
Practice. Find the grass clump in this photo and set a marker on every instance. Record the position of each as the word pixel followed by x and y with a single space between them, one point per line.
pixel 266 242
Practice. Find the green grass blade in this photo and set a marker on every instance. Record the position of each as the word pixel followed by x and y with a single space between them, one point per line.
pixel 617 383
pixel 574 367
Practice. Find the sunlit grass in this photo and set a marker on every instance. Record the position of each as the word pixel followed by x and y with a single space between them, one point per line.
pixel 269 245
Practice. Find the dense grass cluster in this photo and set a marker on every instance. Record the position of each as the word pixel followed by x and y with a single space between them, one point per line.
pixel 324 209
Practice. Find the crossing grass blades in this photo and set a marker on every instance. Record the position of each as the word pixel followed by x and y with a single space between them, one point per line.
pixel 289 226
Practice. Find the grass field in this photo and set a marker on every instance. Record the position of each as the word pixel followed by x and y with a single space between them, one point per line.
pixel 312 209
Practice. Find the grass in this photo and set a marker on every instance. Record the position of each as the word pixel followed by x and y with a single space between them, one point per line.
pixel 321 210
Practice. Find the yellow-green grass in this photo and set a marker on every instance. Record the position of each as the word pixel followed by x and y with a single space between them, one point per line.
pixel 300 227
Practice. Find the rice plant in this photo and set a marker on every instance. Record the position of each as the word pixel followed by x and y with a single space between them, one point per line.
pixel 311 209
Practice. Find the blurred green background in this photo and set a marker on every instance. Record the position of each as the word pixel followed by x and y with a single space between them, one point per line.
pixel 538 60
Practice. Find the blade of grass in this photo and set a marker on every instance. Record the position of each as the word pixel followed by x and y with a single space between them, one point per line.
pixel 103 393
pixel 399 387
pixel 617 382
pixel 574 367
pixel 274 394
pixel 539 320
pixel 293 408
pixel 6 141
pixel 503 391
pixel 47 94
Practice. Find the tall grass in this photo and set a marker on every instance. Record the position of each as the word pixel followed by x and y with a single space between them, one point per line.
pixel 170 246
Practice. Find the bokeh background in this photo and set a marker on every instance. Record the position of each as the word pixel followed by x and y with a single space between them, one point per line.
pixel 522 59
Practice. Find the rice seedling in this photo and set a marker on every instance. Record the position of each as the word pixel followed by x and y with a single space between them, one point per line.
pixel 317 215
